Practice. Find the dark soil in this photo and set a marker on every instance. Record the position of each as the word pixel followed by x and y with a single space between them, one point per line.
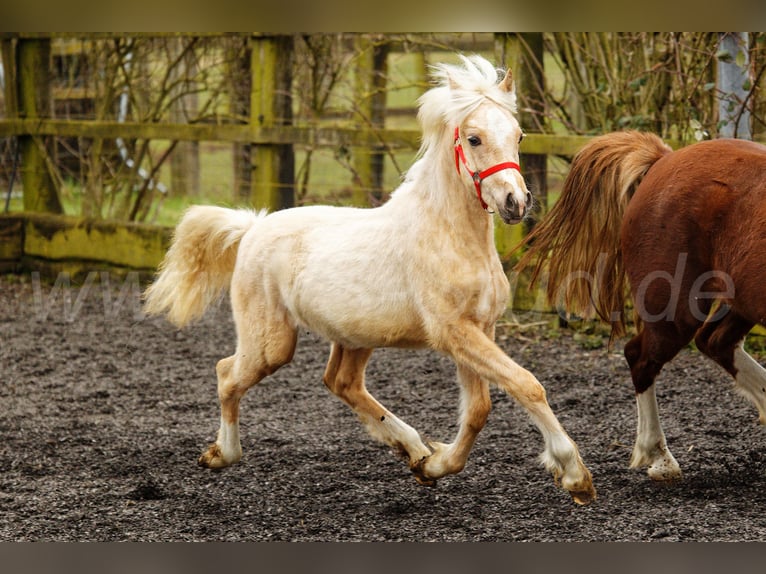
pixel 104 413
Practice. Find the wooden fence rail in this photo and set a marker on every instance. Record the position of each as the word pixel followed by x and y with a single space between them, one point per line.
pixel 546 144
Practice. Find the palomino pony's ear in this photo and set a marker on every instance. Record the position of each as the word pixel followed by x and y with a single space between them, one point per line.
pixel 507 84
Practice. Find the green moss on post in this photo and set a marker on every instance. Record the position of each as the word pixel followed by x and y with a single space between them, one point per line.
pixel 507 237
pixel 370 101
pixel 11 242
pixel 271 106
pixel 116 243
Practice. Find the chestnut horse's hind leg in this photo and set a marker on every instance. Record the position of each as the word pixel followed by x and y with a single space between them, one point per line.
pixel 751 380
pixel 262 347
pixel 344 377
pixel 658 343
pixel 646 354
pixel 723 341
pixel 651 447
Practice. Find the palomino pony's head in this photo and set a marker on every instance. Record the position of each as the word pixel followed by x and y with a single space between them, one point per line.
pixel 473 109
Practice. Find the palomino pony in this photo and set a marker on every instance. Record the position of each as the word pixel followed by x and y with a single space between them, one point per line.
pixel 419 271
pixel 688 229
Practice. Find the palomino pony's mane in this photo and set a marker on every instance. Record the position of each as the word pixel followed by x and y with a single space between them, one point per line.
pixel 459 91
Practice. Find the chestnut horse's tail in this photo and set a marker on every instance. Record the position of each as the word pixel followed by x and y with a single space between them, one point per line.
pixel 580 236
pixel 199 264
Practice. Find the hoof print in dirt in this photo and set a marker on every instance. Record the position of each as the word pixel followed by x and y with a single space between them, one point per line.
pixel 148 489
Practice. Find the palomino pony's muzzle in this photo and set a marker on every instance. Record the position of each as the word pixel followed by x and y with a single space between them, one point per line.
pixel 513 211
pixel 479 176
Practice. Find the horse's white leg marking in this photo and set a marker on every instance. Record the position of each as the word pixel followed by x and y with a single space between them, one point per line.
pixel 229 449
pixel 344 377
pixel 472 348
pixel 651 448
pixel 751 380
pixel 474 409
pixel 236 374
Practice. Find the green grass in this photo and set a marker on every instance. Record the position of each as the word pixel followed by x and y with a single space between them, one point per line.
pixel 330 183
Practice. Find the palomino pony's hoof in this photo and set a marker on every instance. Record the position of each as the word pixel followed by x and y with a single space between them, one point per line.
pixel 212 458
pixel 419 474
pixel 583 497
pixel 423 481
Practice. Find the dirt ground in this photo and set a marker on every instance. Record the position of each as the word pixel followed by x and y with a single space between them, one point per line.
pixel 104 413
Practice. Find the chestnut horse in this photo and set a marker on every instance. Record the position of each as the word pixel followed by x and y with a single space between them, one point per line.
pixel 419 271
pixel 688 230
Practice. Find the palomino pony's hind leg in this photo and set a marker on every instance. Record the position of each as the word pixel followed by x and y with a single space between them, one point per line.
pixel 471 348
pixel 344 377
pixel 263 345
pixel 723 341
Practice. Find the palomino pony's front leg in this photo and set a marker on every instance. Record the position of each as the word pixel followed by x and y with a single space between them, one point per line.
pixel 475 406
pixel 344 376
pixel 472 348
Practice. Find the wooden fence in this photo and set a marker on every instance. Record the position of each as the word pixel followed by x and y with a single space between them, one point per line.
pixel 78 242
pixel 269 132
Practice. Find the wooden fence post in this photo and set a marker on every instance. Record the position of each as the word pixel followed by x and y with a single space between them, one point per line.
pixel 34 100
pixel 239 82
pixel 370 87
pixel 184 162
pixel 523 54
pixel 9 70
pixel 273 181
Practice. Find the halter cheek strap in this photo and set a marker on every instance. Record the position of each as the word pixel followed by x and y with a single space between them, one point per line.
pixel 477 175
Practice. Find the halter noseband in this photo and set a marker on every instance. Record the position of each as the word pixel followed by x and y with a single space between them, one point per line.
pixel 478 176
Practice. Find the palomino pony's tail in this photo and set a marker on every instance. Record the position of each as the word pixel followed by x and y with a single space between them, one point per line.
pixel 200 262
pixel 580 236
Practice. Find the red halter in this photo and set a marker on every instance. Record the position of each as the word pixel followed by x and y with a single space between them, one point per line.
pixel 477 175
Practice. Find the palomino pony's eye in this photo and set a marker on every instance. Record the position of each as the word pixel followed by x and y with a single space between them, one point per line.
pixel 474 141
